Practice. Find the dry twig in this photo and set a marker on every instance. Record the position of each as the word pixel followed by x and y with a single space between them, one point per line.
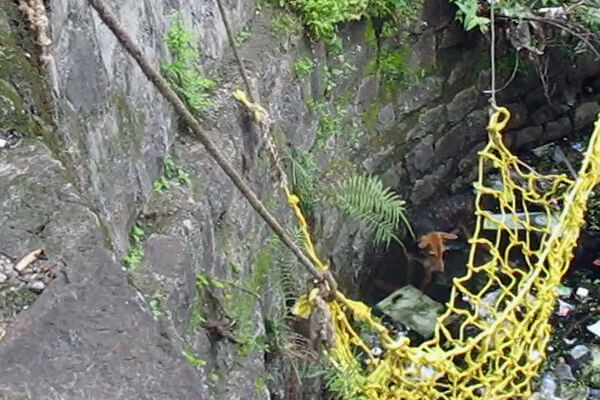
pixel 29 259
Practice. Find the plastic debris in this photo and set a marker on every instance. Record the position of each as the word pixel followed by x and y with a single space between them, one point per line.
pixel 564 291
pixel 579 351
pixel 3 143
pixel 578 357
pixel 540 150
pixel 582 292
pixel 595 364
pixel 412 308
pixel 518 220
pixel 547 386
pixel 564 308
pixel 428 372
pixel 594 328
pixel 560 156
pixel 376 351
pixel 563 371
pixel 487 303
pixel 579 146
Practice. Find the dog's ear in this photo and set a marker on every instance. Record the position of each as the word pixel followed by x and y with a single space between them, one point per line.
pixel 449 236
pixel 424 241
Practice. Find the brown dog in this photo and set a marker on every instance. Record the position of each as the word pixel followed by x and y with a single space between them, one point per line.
pixel 433 247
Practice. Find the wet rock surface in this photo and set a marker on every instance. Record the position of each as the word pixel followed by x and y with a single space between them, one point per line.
pixel 88 320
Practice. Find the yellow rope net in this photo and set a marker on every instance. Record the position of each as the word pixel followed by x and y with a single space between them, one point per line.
pixel 491 340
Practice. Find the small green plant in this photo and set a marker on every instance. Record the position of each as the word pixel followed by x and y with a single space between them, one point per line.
pixel 586 16
pixel 286 24
pixel 593 214
pixel 344 99
pixel 137 233
pixel 392 65
pixel 135 253
pixel 260 383
pixel 161 185
pixel 173 175
pixel 329 123
pixel 184 72
pixel 304 175
pixel 468 14
pixel 176 173
pixel 196 309
pixel 157 304
pixel 323 17
pixel 366 199
pixel 205 281
pixel 242 36
pixel 240 299
pixel 345 383
pixel 589 16
pixel 303 67
pixel 331 74
pixel 133 257
pixel 192 358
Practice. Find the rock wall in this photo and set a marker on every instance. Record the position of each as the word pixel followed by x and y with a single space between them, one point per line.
pixel 76 190
pixel 114 128
pixel 438 125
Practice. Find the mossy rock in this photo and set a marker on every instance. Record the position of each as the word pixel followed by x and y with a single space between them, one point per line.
pixel 13 300
pixel 24 100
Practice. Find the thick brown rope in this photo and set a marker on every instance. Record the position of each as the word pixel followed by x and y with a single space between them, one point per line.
pixel 163 87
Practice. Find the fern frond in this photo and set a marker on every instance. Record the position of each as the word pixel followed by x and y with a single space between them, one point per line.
pixel 364 198
pixel 303 173
pixel 285 268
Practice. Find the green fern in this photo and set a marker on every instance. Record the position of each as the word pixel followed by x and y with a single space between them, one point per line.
pixel 185 72
pixel 303 177
pixel 380 209
pixel 285 284
pixel 285 267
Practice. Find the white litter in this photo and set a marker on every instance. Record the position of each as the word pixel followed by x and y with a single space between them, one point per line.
pixel 376 351
pixel 564 308
pixel 519 220
pixel 594 328
pixel 582 292
pixel 564 291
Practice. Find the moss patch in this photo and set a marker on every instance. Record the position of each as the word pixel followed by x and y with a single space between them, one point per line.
pixel 369 118
pixel 13 301
pixel 25 107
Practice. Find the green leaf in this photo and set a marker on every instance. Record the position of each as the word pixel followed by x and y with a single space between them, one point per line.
pixel 378 208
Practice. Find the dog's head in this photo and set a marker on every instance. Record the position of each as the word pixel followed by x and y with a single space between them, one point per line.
pixel 433 247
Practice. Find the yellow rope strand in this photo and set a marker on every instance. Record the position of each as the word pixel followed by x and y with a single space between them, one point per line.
pixel 498 355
